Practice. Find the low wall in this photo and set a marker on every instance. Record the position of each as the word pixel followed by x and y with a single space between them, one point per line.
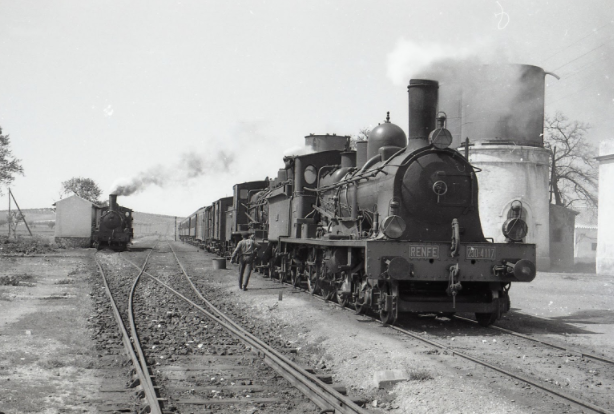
pixel 68 242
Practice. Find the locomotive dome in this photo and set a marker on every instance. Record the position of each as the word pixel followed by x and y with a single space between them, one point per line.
pixel 385 135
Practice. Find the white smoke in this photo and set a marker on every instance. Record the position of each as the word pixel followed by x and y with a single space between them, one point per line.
pixel 189 166
pixel 300 150
pixel 411 59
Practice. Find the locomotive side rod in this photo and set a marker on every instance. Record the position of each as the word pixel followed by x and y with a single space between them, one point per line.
pixel 478 361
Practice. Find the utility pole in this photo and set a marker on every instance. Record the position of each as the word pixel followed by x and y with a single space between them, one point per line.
pixel 175 228
pixel 9 217
pixel 22 216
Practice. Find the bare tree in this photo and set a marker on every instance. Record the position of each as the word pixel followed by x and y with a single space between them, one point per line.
pixel 85 188
pixel 363 135
pixel 9 166
pixel 573 169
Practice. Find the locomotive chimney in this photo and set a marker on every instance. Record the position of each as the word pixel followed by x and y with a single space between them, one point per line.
pixel 423 95
pixel 112 202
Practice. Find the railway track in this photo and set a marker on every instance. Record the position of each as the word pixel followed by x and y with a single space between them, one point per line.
pixel 220 365
pixel 599 402
pixel 132 346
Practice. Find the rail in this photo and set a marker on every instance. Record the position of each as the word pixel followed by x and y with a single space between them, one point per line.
pixel 140 366
pixel 323 395
pixel 478 361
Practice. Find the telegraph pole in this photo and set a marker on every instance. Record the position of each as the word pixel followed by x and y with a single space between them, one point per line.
pixel 9 217
pixel 23 217
pixel 175 228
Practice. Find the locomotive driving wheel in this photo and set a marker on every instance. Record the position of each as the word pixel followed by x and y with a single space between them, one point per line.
pixel 388 302
pixel 296 272
pixel 360 301
pixel 343 298
pixel 312 279
pixel 327 286
pixel 271 269
pixel 486 319
pixel 283 271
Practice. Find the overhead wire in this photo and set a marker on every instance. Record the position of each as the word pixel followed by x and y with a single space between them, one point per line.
pixel 593 32
pixel 582 89
pixel 579 72
pixel 579 57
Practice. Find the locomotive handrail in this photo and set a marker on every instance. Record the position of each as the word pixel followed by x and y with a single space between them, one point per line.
pixel 320 172
pixel 362 174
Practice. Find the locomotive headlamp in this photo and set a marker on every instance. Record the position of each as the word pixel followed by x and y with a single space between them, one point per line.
pixel 441 138
pixel 515 229
pixel 393 227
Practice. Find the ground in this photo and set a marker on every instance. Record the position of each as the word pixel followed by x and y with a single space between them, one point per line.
pixel 50 362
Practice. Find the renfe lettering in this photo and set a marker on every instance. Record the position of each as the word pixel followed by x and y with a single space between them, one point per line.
pixel 424 251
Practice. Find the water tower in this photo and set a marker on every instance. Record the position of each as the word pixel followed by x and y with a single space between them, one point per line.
pixel 500 109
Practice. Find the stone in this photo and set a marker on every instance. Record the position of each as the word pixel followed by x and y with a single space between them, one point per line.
pixel 383 379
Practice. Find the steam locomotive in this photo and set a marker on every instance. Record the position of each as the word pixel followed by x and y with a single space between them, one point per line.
pixel 392 227
pixel 113 226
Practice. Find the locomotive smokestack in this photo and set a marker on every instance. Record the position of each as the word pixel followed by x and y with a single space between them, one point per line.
pixel 423 96
pixel 112 202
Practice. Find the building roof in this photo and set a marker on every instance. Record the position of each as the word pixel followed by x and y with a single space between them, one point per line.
pixel 587 219
pixel 76 196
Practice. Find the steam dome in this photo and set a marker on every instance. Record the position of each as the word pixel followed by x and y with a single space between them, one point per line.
pixel 385 135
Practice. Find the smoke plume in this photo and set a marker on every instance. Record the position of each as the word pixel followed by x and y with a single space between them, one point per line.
pixel 300 150
pixel 412 60
pixel 189 166
pixel 475 74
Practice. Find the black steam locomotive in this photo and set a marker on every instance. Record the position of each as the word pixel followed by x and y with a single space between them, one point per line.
pixel 113 227
pixel 392 227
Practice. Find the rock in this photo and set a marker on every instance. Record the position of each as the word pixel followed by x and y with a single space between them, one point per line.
pixel 383 379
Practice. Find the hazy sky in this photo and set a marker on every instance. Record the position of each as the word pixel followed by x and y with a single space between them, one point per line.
pixel 198 95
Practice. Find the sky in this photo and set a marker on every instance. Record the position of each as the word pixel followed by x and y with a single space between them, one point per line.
pixel 187 98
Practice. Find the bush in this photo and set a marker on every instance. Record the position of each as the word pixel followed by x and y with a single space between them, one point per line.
pixel 419 375
pixel 29 245
pixel 15 280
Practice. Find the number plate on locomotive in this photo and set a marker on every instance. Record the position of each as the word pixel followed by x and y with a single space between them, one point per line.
pixel 425 251
pixel 480 253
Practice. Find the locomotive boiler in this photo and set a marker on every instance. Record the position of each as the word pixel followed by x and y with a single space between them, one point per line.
pixel 113 226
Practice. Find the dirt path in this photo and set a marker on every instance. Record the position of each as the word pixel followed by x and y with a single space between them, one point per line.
pixel 48 360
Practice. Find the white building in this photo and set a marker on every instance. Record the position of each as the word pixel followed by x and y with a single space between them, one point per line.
pixel 74 219
pixel 605 232
pixel 585 237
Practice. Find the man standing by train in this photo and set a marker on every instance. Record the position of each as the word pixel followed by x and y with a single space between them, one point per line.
pixel 245 252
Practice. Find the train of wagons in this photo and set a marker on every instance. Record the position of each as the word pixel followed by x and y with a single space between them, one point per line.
pixel 391 227
pixel 112 226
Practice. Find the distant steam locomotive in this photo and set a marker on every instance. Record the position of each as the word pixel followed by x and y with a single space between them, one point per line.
pixel 392 227
pixel 113 227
